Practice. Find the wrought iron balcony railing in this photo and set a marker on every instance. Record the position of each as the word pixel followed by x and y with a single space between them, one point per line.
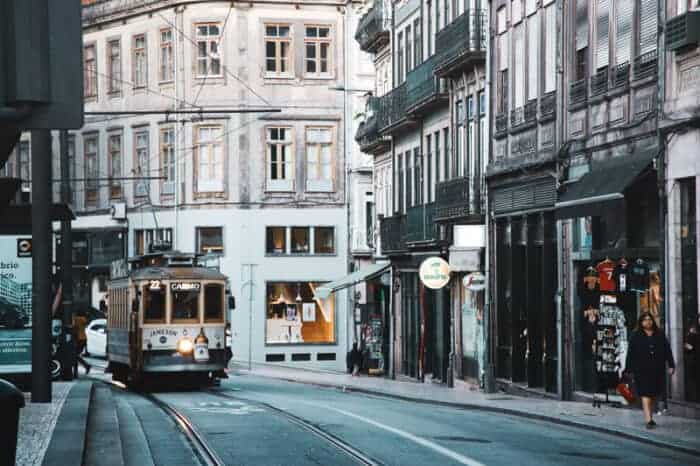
pixel 517 117
pixel 501 123
pixel 370 33
pixel 462 42
pixel 599 82
pixel 646 65
pixel 452 199
pixel 420 223
pixel 578 92
pixel 621 75
pixel 530 111
pixel 368 136
pixel 392 108
pixel 548 105
pixel 422 86
pixel 392 231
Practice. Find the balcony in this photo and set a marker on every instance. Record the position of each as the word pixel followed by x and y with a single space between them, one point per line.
pixel 368 136
pixel 599 82
pixel 621 75
pixel 530 111
pixel 462 43
pixel 645 65
pixel 370 33
pixel 452 199
pixel 501 124
pixel 578 92
pixel 517 117
pixel 683 31
pixel 548 106
pixel 392 110
pixel 420 224
pixel 391 231
pixel 423 88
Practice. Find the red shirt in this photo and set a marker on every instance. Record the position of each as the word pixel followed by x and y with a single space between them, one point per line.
pixel 605 274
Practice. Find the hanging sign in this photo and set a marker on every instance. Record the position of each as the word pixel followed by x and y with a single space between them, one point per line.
pixel 474 281
pixel 434 273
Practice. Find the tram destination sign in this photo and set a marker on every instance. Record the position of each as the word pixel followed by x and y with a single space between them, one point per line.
pixel 185 286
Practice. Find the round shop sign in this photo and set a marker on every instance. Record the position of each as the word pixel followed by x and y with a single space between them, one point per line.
pixel 434 273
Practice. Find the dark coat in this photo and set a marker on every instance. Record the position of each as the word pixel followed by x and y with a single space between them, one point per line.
pixel 647 357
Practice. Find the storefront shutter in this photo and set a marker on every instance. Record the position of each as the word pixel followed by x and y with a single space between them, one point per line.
pixel 536 194
pixel 603 34
pixel 550 48
pixel 581 24
pixel 623 43
pixel 647 25
pixel 533 41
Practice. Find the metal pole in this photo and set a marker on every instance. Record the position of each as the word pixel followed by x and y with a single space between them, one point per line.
pixel 66 265
pixel 41 265
pixel 249 283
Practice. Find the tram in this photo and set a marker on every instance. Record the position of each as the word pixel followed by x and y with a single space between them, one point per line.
pixel 167 315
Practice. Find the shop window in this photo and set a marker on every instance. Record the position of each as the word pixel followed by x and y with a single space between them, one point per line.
pixel 210 240
pixel 276 240
pixel 300 240
pixel 294 316
pixel 185 305
pixel 213 303
pixel 324 240
pixel 154 303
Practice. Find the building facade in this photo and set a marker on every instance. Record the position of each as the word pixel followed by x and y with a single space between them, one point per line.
pixel 236 149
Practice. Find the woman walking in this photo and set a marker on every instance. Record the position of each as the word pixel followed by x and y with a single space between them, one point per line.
pixel 648 354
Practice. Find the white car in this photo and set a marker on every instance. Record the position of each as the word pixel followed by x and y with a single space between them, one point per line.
pixel 96 333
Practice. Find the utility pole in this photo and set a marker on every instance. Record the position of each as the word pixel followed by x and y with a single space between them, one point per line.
pixel 66 265
pixel 41 265
pixel 250 283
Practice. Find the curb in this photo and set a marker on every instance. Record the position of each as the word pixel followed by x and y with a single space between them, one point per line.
pixel 71 428
pixel 499 410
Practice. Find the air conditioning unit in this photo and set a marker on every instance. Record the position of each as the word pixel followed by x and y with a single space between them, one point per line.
pixel 118 211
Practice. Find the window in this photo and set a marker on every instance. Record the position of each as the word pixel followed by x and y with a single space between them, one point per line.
pixel 278 43
pixel 139 61
pixel 213 303
pixel 459 137
pixel 25 166
pixel 280 159
pixel 295 316
pixel 114 145
pixel 517 10
pixel 429 168
pixel 185 305
pixel 603 34
pixel 276 240
pixel 167 68
pixel 519 67
pixel 319 159
pixel 208 54
pixel 115 66
pixel 141 162
pixel 648 25
pixel 71 167
pixel 324 240
pixel 167 160
pixel 502 77
pixel 154 303
pixel 11 166
pixel 210 240
pixel 417 43
pixel 533 60
pixel 144 239
pixel 581 65
pixel 300 240
pixel 90 71
pixel 210 159
pixel 409 48
pixel 502 20
pixel 417 177
pixel 318 50
pixel 550 49
pixel 91 171
pixel 399 58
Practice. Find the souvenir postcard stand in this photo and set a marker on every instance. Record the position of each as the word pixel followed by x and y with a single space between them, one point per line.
pixel 609 334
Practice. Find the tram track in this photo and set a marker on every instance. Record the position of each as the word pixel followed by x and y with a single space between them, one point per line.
pixel 336 442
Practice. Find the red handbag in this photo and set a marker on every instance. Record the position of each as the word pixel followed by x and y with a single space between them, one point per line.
pixel 624 389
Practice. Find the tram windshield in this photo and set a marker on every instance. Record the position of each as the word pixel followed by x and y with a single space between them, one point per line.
pixel 213 303
pixel 154 303
pixel 185 305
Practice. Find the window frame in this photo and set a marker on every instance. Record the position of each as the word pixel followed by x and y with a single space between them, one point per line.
pixel 198 240
pixel 220 317
pixel 166 68
pixel 309 246
pixel 92 189
pixel 319 184
pixel 208 39
pixel 114 83
pixel 315 241
pixel 139 76
pixel 115 187
pixel 141 187
pixel 268 231
pixel 318 43
pixel 277 40
pixel 215 184
pixel 90 77
pixel 168 184
pixel 286 184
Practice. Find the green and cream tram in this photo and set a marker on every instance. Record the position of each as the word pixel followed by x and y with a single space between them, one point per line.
pixel 167 314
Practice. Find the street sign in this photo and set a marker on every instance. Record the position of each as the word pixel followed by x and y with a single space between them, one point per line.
pixel 434 273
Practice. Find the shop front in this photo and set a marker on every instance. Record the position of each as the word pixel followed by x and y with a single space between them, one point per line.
pixel 611 245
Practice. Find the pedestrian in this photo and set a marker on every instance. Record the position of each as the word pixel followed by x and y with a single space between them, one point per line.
pixel 79 324
pixel 691 348
pixel 354 360
pixel 648 354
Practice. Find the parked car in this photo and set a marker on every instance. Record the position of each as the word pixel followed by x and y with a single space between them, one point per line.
pixel 96 333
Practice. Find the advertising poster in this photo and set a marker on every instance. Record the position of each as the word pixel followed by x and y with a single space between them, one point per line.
pixel 15 304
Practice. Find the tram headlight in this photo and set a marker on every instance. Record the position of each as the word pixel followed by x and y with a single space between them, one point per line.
pixel 185 346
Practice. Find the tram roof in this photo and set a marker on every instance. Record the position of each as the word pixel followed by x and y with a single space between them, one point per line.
pixel 177 273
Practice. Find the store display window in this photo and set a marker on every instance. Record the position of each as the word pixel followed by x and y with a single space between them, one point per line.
pixel 294 316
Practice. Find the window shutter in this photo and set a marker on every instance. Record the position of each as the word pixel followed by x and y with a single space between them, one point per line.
pixel 519 71
pixel 581 24
pixel 647 26
pixel 533 41
pixel 623 43
pixel 603 34
pixel 550 49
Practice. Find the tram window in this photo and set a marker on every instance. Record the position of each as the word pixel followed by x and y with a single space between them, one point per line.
pixel 185 305
pixel 154 303
pixel 213 303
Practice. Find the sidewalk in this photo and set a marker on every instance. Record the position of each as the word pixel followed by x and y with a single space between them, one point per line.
pixel 677 433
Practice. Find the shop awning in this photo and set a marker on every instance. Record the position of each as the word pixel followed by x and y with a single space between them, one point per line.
pixel 367 273
pixel 602 188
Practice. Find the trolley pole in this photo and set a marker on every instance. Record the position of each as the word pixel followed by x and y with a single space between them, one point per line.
pixel 66 265
pixel 41 265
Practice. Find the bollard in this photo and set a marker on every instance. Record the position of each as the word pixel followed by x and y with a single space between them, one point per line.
pixel 11 400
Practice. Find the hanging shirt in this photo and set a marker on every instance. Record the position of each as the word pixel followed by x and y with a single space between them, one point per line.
pixel 605 275
pixel 621 276
pixel 639 276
